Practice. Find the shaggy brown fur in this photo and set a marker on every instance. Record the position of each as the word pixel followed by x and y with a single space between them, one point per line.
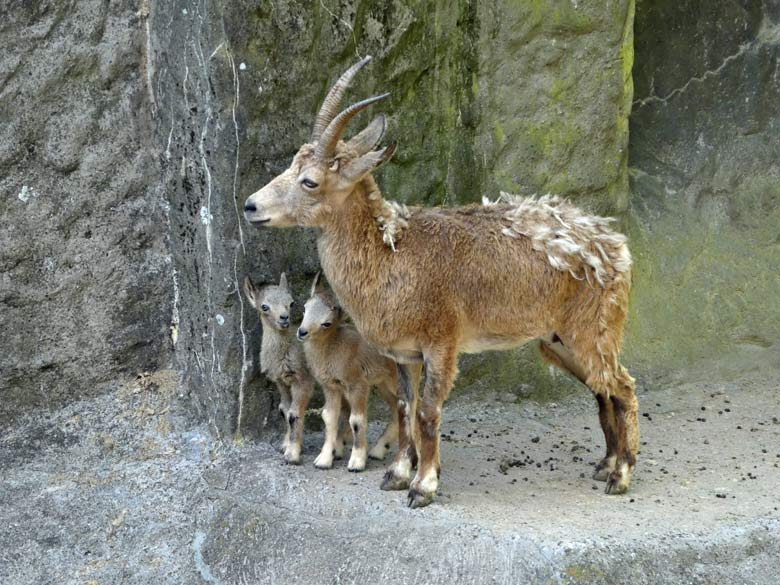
pixel 282 360
pixel 346 367
pixel 465 280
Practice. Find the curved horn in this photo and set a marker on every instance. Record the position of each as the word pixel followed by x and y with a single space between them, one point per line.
pixel 326 145
pixel 330 105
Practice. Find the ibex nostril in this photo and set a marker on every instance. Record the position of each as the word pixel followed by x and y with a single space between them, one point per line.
pixel 250 207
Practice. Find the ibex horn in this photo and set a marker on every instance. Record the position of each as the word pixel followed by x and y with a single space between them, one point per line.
pixel 326 145
pixel 330 104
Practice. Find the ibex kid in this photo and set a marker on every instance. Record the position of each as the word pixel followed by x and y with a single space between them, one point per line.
pixel 346 367
pixel 424 284
pixel 282 360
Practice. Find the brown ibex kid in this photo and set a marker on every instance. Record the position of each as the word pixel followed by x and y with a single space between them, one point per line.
pixel 346 367
pixel 423 285
pixel 282 360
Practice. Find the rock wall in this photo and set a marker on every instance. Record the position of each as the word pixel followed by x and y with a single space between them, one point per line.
pixel 163 117
pixel 84 266
pixel 705 189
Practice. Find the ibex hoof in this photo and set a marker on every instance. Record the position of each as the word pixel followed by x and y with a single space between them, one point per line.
pixel 292 457
pixel 391 482
pixel 418 499
pixel 378 453
pixel 604 468
pixel 618 480
pixel 323 462
pixel 356 467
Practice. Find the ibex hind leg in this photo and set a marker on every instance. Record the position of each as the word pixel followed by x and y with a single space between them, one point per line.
pixel 285 398
pixel 615 392
pixel 554 351
pixel 390 434
pixel 344 430
pixel 358 422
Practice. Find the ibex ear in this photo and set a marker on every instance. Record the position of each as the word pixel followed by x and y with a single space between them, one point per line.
pixel 283 281
pixel 370 136
pixel 360 167
pixel 316 286
pixel 250 291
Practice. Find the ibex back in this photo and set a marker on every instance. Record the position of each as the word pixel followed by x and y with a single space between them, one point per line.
pixel 423 284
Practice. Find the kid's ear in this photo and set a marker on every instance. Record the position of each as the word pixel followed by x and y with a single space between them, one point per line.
pixel 250 291
pixel 283 281
pixel 316 285
pixel 361 166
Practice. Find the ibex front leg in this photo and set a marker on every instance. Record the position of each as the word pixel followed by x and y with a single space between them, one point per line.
pixel 301 393
pixel 330 416
pixel 399 473
pixel 440 370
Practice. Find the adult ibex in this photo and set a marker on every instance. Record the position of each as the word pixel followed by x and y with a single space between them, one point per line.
pixel 423 284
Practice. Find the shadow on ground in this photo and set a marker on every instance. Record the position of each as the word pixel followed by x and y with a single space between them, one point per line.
pixel 117 489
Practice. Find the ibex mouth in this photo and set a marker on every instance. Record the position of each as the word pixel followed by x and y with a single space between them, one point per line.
pixel 259 221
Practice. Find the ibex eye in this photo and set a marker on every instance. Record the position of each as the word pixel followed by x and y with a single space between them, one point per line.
pixel 264 308
pixel 326 325
pixel 309 184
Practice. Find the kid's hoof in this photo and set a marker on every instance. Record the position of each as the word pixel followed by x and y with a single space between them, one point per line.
pixel 391 482
pixel 323 463
pixel 292 457
pixel 377 453
pixel 418 499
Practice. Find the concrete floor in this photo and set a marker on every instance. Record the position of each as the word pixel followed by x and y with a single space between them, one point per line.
pixel 120 490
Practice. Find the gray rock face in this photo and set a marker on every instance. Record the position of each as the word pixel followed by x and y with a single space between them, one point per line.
pixel 84 265
pixel 705 135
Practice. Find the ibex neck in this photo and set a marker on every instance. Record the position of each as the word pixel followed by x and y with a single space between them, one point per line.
pixel 274 336
pixel 353 254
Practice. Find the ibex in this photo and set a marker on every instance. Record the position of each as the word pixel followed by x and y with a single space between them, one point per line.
pixel 346 367
pixel 282 360
pixel 423 285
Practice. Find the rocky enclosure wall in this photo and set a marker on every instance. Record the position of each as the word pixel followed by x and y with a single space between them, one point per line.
pixel 705 187
pixel 85 283
pixel 132 133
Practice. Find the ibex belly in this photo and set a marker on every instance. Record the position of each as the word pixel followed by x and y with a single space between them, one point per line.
pixel 480 343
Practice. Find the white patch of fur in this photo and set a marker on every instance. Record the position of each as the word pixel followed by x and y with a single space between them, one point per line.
pixel 391 218
pixel 428 484
pixel 580 244
pixel 357 461
pixel 402 467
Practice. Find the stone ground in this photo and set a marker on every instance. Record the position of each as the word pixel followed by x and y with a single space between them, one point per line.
pixel 118 489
